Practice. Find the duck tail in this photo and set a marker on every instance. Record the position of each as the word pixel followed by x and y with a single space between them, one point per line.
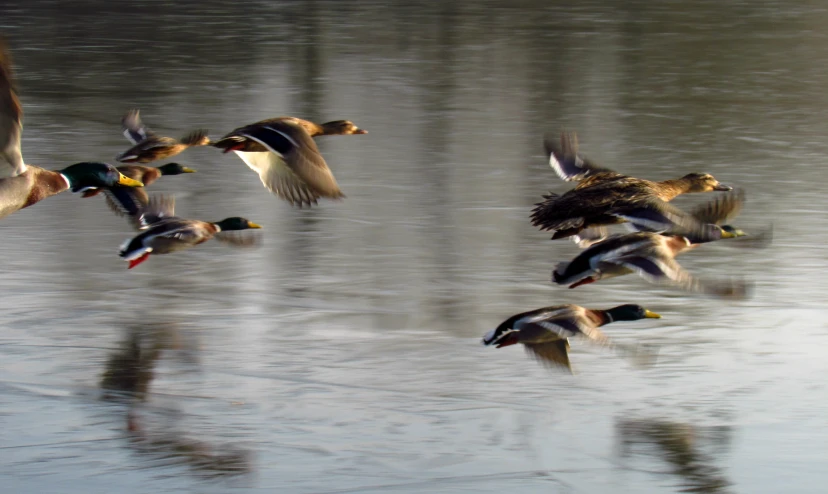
pixel 557 273
pixel 134 248
pixel 197 137
pixel 543 214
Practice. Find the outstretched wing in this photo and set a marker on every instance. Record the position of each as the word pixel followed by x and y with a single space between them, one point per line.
pixel 278 178
pixel 723 208
pixel 158 208
pixel 590 236
pixel 562 323
pixel 11 117
pixel 567 163
pixel 293 169
pixel 665 270
pixel 653 215
pixel 134 129
pixel 551 353
pixel 126 201
pixel 657 216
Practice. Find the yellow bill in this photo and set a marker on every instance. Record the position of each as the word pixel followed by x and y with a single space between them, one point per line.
pixel 124 180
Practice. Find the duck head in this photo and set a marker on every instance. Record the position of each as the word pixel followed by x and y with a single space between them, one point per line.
pixel 730 231
pixel 174 169
pixel 235 223
pixel 341 127
pixel 630 312
pixel 704 182
pixel 88 175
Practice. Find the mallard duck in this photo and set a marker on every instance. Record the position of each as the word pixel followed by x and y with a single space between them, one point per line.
pixel 129 201
pixel 149 146
pixel 652 255
pixel 292 168
pixel 545 332
pixel 605 197
pixel 700 225
pixel 336 127
pixel 22 185
pixel 163 232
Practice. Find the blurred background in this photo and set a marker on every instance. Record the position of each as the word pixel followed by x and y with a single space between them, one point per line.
pixel 344 355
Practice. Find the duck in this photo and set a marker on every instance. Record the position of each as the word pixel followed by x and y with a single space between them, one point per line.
pixel 605 197
pixel 124 201
pixel 292 167
pixel 652 255
pixel 164 233
pixel 148 146
pixel 545 332
pixel 21 184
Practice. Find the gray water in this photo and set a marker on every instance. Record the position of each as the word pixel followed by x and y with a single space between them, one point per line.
pixel 343 355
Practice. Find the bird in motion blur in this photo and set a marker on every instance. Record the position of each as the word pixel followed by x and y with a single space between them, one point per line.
pixel 545 332
pixel 129 201
pixel 22 185
pixel 606 197
pixel 652 255
pixel 149 146
pixel 162 232
pixel 283 153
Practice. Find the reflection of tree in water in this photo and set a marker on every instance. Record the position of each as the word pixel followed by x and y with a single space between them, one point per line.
pixel 127 376
pixel 306 74
pixel 679 445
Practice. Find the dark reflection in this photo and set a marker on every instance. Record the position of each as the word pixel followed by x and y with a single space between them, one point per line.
pixel 153 433
pixel 305 62
pixel 680 445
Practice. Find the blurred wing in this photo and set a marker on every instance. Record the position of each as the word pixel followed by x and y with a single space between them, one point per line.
pixel 654 269
pixel 653 215
pixel 134 129
pixel 563 323
pixel 182 233
pixel 294 168
pixel 239 239
pixel 565 160
pixel 278 178
pixel 720 210
pixel 11 115
pixel 151 142
pixel 126 201
pixel 590 236
pixel 158 208
pixel 551 353
pixel 667 270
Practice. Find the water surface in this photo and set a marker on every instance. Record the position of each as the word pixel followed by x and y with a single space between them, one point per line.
pixel 343 355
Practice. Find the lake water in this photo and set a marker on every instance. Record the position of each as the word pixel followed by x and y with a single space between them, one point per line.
pixel 343 355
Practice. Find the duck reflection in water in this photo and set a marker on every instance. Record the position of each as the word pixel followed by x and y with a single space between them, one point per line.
pixel 680 445
pixel 126 378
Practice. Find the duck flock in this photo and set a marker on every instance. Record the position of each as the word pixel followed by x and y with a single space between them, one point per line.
pixel 283 153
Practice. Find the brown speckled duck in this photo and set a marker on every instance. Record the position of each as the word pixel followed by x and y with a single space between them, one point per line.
pixel 286 158
pixel 605 197
pixel 22 185
pixel 148 146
